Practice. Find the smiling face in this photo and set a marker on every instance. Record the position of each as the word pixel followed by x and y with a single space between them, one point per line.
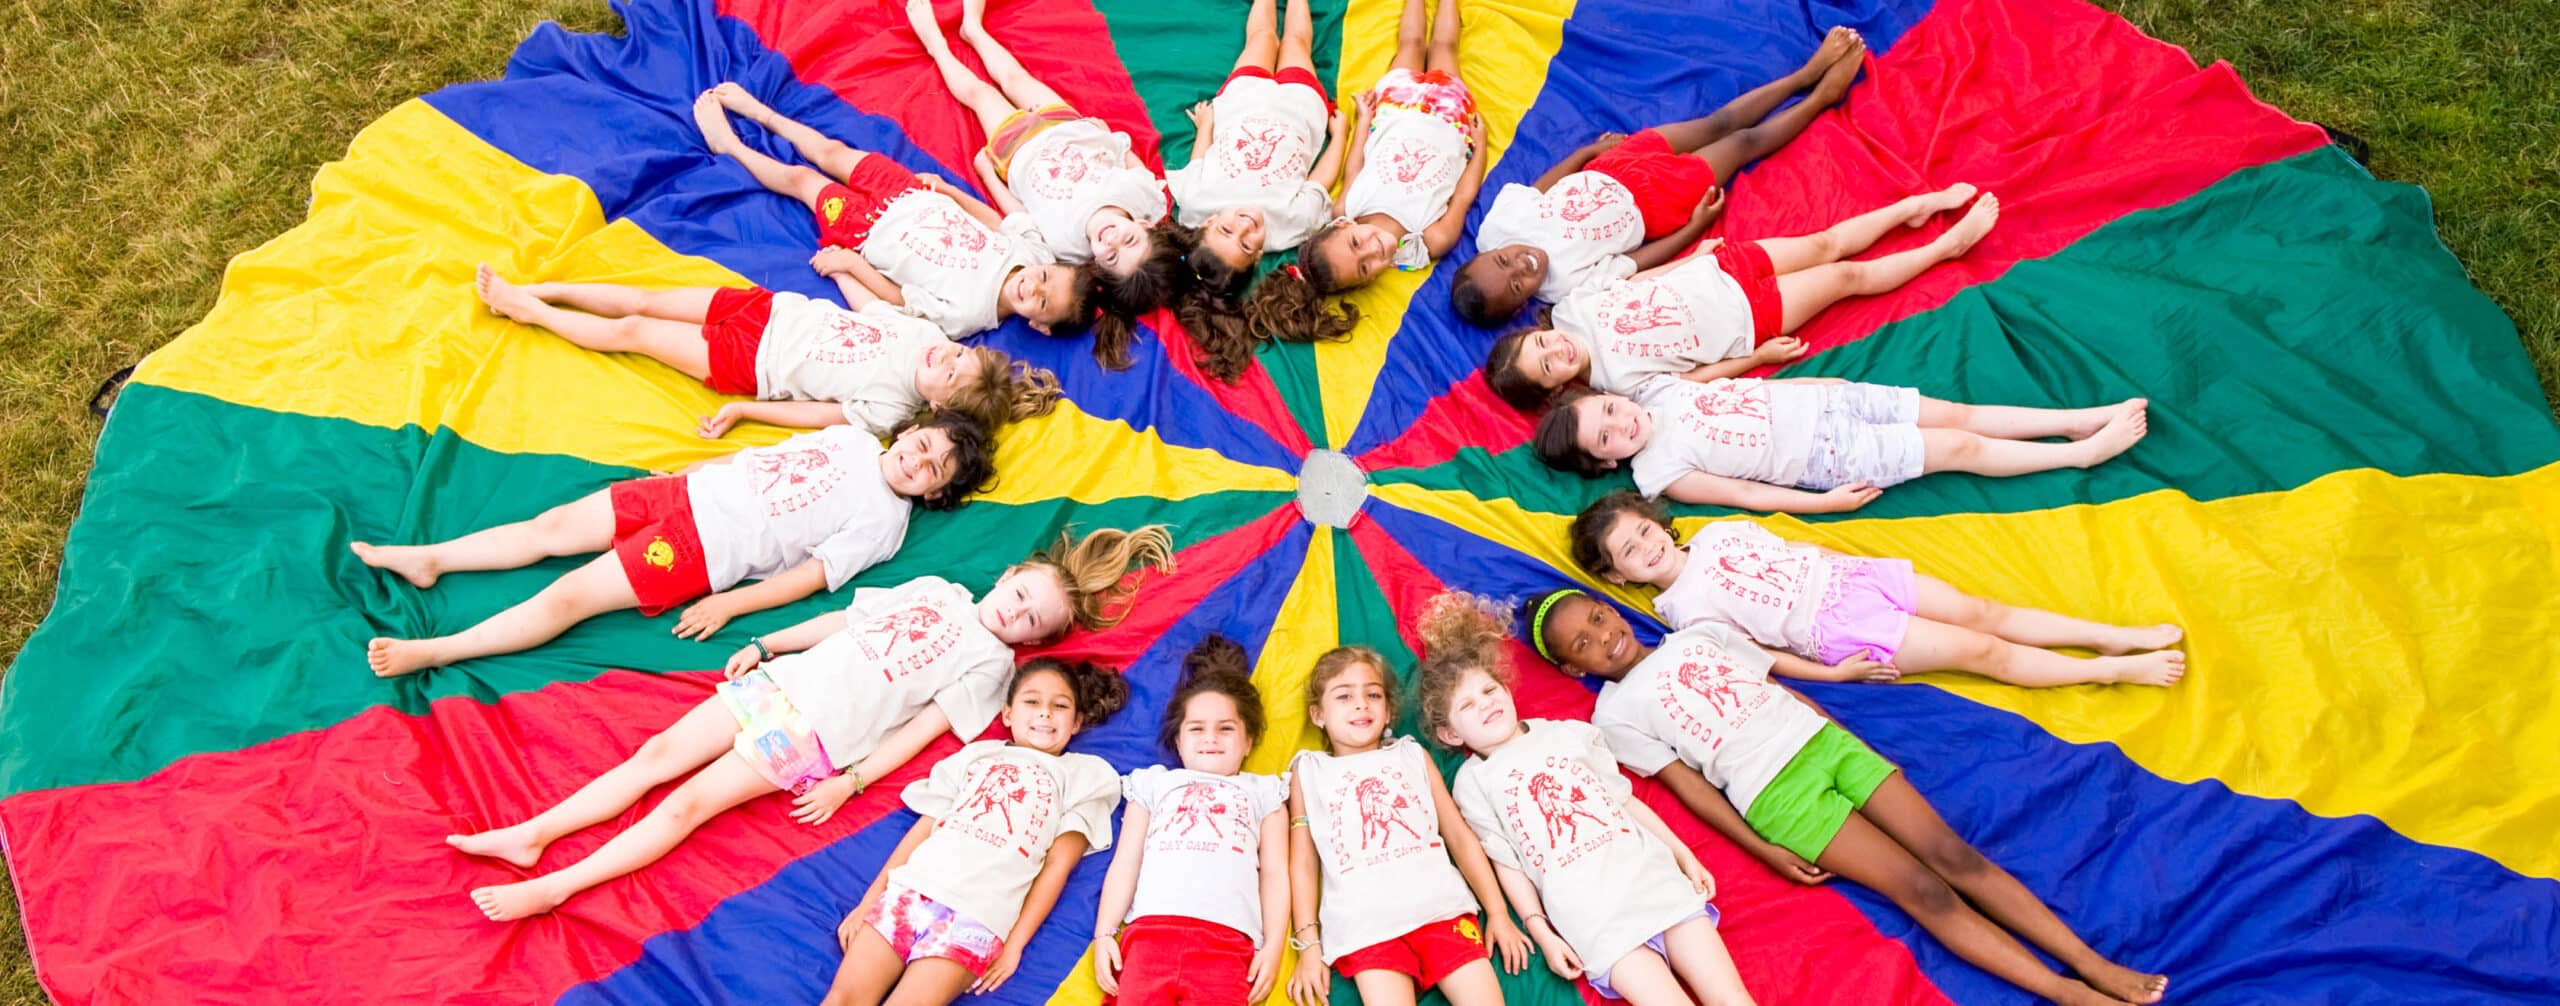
pixel 1353 708
pixel 1640 551
pixel 943 370
pixel 1042 712
pixel 918 463
pixel 1611 428
pixel 1213 737
pixel 1235 236
pixel 1553 359
pixel 1357 252
pixel 1120 244
pixel 1508 276
pixel 1482 713
pixel 1043 295
pixel 1027 605
pixel 1586 637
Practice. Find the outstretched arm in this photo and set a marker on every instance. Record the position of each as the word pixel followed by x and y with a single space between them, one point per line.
pixel 1705 800
pixel 989 180
pixel 1533 913
pixel 1119 888
pixel 1063 853
pixel 1354 159
pixel 856 278
pixel 1467 851
pixel 796 415
pixel 1203 118
pixel 1442 235
pixel 705 617
pixel 1745 494
pixel 1330 162
pixel 1312 984
pixel 1857 667
pixel 1578 159
pixel 1669 246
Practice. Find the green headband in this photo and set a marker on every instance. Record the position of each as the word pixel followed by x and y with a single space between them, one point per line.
pixel 1538 620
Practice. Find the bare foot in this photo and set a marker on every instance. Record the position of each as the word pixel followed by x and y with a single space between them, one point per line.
pixel 1977 222
pixel 509 902
pixel 1842 72
pixel 2127 984
pixel 738 99
pixel 2117 437
pixel 1841 41
pixel 392 658
pixel 414 563
pixel 2158 668
pixel 514 844
pixel 920 17
pixel 2080 994
pixel 973 19
pixel 713 120
pixel 2138 638
pixel 1918 209
pixel 505 299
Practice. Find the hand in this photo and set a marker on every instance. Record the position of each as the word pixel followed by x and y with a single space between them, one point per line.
pixel 1511 943
pixel 1198 113
pixel 1312 985
pixel 1475 133
pixel 1106 964
pixel 1783 349
pixel 814 807
pixel 997 972
pixel 853 923
pixel 1607 141
pixel 1706 247
pixel 703 618
pixel 1699 879
pixel 1367 103
pixel 718 424
pixel 746 659
pixel 1265 970
pixel 1789 865
pixel 931 182
pixel 1849 497
pixel 1860 666
pixel 1709 207
pixel 835 261
pixel 1560 958
pixel 1334 121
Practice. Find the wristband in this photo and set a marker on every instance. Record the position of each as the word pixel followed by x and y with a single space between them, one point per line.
pixel 758 643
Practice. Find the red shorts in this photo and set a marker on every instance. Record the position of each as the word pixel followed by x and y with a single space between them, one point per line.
pixel 846 209
pixel 1668 184
pixel 1288 75
pixel 1171 959
pixel 732 330
pixel 654 536
pixel 1749 266
pixel 1425 955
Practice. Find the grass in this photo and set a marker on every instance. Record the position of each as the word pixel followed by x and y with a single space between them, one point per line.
pixel 150 140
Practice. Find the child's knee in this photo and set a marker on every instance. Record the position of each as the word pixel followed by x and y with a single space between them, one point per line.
pixel 1924 895
pixel 1954 449
pixel 1952 857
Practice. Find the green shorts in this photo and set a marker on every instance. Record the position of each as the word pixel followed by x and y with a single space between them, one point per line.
pixel 1812 797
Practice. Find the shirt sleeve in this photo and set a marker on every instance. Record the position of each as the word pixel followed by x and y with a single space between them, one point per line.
pixel 933 795
pixel 1639 751
pixel 1483 818
pixel 1657 466
pixel 1270 793
pixel 1144 786
pixel 1503 221
pixel 858 546
pixel 1592 750
pixel 976 694
pixel 1093 793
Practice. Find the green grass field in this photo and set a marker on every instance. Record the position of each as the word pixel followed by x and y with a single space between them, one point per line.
pixel 150 140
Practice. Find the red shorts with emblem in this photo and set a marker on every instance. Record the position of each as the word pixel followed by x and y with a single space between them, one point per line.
pixel 846 209
pixel 1425 955
pixel 654 536
pixel 1750 266
pixel 1298 75
pixel 732 330
pixel 1173 959
pixel 1667 183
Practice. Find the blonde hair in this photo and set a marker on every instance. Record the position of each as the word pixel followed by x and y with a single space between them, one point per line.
pixel 1006 390
pixel 1460 632
pixel 1342 658
pixel 1091 570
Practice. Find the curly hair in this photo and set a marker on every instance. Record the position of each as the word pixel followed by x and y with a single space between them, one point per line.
pixel 1221 341
pixel 1342 658
pixel 973 460
pixel 1005 390
pixel 1460 632
pixel 1216 665
pixel 1290 305
pixel 1098 690
pixel 1091 569
pixel 1557 441
pixel 1590 532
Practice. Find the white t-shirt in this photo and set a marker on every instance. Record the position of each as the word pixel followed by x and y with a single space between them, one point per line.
pixel 817 494
pixel 1586 222
pixel 1409 168
pixel 1069 171
pixel 1551 804
pixel 1204 844
pixel 814 351
pixel 1741 575
pixel 901 647
pixel 1704 697
pixel 1668 323
pixel 1377 832
pixel 999 808
pixel 949 266
pixel 1744 428
pixel 1265 135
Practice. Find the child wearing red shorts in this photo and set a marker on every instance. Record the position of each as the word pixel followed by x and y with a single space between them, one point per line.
pixel 1624 203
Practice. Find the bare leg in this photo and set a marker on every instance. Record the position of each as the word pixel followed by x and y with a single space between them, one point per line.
pixel 700 737
pixel 1261 43
pixel 983 99
pixel 1019 86
pixel 577 527
pixel 677 344
pixel 1867 856
pixel 727 783
pixel 796 181
pixel 1643 978
pixel 1298 38
pixel 1801 295
pixel 614 300
pixel 831 155
pixel 1936 646
pixel 1965 451
pixel 870 967
pixel 1443 55
pixel 1381 987
pixel 1941 601
pixel 2011 422
pixel 1699 955
pixel 1730 152
pixel 933 981
pixel 1475 983
pixel 1849 237
pixel 1413 28
pixel 585 592
pixel 1901 812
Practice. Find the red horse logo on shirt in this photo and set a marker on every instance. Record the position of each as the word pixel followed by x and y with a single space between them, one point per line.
pixel 1560 804
pixel 1411 160
pixel 999 790
pixel 850 338
pixel 1380 809
pixel 1579 201
pixel 1714 683
pixel 1729 399
pixel 882 637
pixel 1638 315
pixel 1780 576
pixel 951 232
pixel 1196 805
pixel 788 481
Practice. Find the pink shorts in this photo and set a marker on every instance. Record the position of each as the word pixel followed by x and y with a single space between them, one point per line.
pixel 1436 93
pixel 773 737
pixel 1600 980
pixel 1869 610
pixel 918 927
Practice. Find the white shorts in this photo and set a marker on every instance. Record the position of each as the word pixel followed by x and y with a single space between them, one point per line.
pixel 1867 433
